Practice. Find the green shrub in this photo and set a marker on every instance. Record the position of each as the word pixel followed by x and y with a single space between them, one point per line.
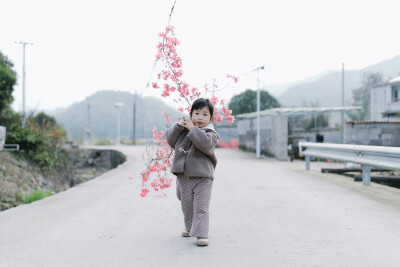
pixel 36 195
pixel 103 142
pixel 37 147
pixel 141 142
pixel 9 117
pixel 126 141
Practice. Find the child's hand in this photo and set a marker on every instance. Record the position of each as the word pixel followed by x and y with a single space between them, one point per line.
pixel 187 123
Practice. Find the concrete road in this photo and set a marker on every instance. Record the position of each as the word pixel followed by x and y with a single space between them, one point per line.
pixel 263 213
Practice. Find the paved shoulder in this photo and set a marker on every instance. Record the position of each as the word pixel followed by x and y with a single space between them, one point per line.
pixel 263 213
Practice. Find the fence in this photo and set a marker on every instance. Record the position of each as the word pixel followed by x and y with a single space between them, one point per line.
pixel 367 156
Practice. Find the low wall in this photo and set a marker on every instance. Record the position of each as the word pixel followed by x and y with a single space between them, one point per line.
pixel 273 135
pixel 227 132
pixel 329 136
pixel 373 133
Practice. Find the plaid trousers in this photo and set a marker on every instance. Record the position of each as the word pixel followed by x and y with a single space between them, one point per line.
pixel 195 196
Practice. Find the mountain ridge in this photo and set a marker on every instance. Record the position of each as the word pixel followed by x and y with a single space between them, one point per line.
pixel 327 89
pixel 100 112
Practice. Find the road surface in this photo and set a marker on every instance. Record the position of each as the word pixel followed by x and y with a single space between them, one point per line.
pixel 263 213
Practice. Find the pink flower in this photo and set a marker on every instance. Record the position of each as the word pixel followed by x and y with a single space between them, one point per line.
pixel 214 100
pixel 144 192
pixel 170 28
pixel 159 55
pixel 165 94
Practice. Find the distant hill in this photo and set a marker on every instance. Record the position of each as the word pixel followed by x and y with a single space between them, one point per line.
pixel 279 88
pixel 103 116
pixel 327 89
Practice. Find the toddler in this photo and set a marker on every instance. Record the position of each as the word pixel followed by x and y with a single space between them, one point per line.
pixel 194 140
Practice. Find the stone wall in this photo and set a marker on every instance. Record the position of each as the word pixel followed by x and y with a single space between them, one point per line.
pixel 273 135
pixel 329 135
pixel 227 132
pixel 373 133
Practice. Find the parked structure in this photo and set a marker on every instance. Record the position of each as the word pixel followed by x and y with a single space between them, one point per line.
pixel 277 131
pixel 385 101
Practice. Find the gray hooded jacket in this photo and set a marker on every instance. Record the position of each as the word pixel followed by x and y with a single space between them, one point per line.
pixel 194 150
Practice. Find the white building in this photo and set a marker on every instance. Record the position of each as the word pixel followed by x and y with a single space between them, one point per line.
pixel 385 101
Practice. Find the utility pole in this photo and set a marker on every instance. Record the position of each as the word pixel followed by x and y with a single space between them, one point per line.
pixel 342 113
pixel 258 145
pixel 88 133
pixel 23 81
pixel 118 105
pixel 134 120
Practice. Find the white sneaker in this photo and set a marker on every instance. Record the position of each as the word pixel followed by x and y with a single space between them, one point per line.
pixel 201 241
pixel 186 234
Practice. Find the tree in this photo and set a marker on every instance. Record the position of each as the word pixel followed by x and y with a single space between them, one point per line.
pixel 44 120
pixel 362 96
pixel 48 125
pixel 8 78
pixel 246 102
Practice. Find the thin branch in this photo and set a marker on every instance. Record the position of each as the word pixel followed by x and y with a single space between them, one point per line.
pixel 170 14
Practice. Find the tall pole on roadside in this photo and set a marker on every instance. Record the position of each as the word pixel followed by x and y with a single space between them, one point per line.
pixel 258 144
pixel 134 120
pixel 118 105
pixel 88 133
pixel 23 81
pixel 342 113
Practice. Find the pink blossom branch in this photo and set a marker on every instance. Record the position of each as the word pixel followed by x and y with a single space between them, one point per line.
pixel 159 159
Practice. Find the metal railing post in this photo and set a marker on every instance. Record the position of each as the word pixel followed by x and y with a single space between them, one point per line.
pixel 307 163
pixel 366 175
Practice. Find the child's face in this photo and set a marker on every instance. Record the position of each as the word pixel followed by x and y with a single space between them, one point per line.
pixel 201 117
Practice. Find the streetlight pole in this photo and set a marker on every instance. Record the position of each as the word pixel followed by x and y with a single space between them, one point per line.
pixel 88 133
pixel 118 105
pixel 23 81
pixel 342 113
pixel 258 145
pixel 134 120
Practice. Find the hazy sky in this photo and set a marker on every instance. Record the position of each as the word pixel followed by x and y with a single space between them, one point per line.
pixel 82 46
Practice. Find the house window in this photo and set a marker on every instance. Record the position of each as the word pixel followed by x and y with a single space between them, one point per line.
pixel 396 95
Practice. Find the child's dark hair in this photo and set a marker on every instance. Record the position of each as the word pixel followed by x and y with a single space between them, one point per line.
pixel 202 103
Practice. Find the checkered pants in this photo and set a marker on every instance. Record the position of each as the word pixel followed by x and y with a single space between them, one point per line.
pixel 195 195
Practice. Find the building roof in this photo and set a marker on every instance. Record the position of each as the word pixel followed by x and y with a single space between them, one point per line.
pixel 395 81
pixel 296 111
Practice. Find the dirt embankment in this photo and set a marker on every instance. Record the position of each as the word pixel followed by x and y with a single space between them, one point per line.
pixel 19 177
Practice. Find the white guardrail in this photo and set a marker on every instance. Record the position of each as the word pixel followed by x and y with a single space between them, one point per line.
pixel 3 145
pixel 368 156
